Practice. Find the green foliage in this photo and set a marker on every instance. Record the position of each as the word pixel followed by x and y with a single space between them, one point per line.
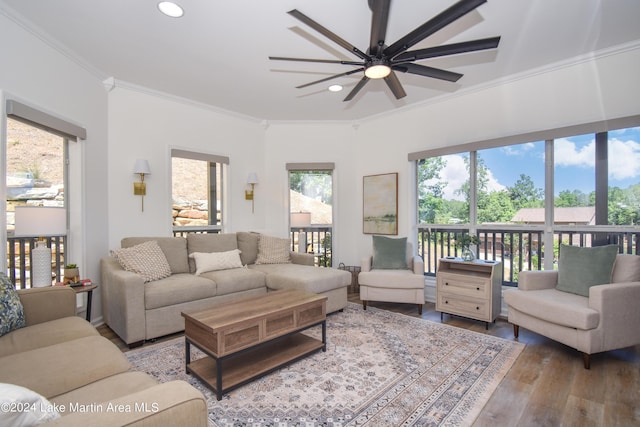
pixel 314 184
pixel 466 240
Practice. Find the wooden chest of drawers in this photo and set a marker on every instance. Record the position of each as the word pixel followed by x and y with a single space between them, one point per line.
pixel 469 288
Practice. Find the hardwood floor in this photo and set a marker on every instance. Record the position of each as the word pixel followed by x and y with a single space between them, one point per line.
pixel 547 385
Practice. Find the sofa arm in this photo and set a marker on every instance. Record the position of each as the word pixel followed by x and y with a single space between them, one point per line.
pixel 537 280
pixel 302 258
pixel 123 301
pixel 49 303
pixel 418 265
pixel 365 263
pixel 174 403
pixel 617 304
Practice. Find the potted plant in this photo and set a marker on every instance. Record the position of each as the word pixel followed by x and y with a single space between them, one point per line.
pixel 464 242
pixel 71 273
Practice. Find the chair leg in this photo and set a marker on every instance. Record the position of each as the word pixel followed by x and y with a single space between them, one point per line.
pixel 516 330
pixel 586 358
pixel 364 305
pixel 420 309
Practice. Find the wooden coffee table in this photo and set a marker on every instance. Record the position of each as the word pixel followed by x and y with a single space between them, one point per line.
pixel 249 338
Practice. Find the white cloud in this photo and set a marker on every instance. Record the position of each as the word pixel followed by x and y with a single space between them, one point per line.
pixel 566 153
pixel 518 150
pixel 456 175
pixel 624 159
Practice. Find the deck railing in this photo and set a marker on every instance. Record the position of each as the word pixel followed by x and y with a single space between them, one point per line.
pixel 315 240
pixel 19 258
pixel 520 248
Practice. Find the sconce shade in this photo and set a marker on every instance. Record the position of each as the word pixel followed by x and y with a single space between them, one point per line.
pixel 253 178
pixel 40 221
pixel 142 166
pixel 300 219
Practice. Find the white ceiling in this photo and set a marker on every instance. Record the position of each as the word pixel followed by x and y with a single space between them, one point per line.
pixel 217 53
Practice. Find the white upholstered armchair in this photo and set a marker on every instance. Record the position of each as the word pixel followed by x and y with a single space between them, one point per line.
pixel 392 274
pixel 608 318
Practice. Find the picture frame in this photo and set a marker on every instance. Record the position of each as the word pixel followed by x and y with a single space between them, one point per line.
pixel 380 204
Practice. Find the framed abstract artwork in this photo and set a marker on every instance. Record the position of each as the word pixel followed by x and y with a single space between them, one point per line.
pixel 380 204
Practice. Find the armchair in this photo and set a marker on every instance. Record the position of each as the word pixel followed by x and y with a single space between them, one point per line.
pixel 606 319
pixel 381 280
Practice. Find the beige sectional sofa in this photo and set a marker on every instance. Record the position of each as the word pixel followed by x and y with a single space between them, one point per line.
pixel 137 309
pixel 72 376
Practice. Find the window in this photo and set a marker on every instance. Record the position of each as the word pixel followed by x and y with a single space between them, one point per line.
pixel 524 199
pixel 36 171
pixel 197 191
pixel 311 208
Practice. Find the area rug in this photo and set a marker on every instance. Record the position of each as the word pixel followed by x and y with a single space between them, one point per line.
pixel 380 369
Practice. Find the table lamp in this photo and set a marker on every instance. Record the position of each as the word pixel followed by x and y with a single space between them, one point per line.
pixel 41 222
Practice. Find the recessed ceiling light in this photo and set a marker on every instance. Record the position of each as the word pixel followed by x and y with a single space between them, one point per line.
pixel 335 88
pixel 170 9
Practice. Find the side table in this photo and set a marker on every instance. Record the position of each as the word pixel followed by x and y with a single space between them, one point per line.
pixel 89 290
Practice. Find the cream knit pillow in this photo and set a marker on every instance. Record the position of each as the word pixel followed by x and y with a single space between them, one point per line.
pixel 145 259
pixel 214 261
pixel 273 250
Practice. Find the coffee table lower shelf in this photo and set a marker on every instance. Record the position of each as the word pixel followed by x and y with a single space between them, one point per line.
pixel 224 374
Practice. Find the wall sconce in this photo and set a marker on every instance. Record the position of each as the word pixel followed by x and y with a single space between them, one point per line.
pixel 248 194
pixel 140 188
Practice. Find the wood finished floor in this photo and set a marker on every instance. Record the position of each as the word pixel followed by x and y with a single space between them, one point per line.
pixel 547 385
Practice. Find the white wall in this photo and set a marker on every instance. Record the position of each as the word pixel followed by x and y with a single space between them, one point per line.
pixel 42 77
pixel 147 126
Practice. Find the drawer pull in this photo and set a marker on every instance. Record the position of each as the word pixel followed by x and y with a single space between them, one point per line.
pixel 446 302
pixel 446 283
pixel 477 308
pixel 478 288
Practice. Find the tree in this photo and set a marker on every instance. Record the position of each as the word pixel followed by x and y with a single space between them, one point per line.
pixel 430 189
pixel 524 194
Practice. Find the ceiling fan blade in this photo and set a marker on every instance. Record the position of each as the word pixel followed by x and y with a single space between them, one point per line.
pixel 395 85
pixel 449 49
pixel 363 81
pixel 436 23
pixel 421 70
pixel 331 77
pixel 327 33
pixel 379 17
pixel 324 61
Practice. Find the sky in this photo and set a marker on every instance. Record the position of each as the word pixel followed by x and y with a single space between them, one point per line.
pixel 574 163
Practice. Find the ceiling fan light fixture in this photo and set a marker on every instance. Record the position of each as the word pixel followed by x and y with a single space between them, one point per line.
pixel 335 88
pixel 377 71
pixel 170 9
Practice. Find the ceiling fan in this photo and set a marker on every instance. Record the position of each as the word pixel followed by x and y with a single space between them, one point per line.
pixel 382 61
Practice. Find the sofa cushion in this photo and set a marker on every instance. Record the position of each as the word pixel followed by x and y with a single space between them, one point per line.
pixel 273 250
pixel 63 367
pixel 45 334
pixel 294 276
pixel 248 244
pixel 13 403
pixel 177 289
pixel 11 310
pixel 396 279
pixel 106 389
pixel 174 249
pixel 209 242
pixel 389 253
pixel 145 259
pixel 214 261
pixel 580 268
pixel 626 269
pixel 236 280
pixel 562 308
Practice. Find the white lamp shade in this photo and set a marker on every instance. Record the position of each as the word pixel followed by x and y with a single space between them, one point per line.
pixel 300 219
pixel 253 178
pixel 40 221
pixel 142 166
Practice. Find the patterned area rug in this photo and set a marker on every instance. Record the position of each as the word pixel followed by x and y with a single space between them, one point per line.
pixel 380 369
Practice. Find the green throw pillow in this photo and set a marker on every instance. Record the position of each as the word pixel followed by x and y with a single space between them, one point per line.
pixel 389 254
pixel 11 311
pixel 581 268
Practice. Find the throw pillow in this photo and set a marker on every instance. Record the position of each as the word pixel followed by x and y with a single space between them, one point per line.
pixel 24 407
pixel 145 259
pixel 389 253
pixel 273 250
pixel 214 261
pixel 11 311
pixel 626 269
pixel 580 268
